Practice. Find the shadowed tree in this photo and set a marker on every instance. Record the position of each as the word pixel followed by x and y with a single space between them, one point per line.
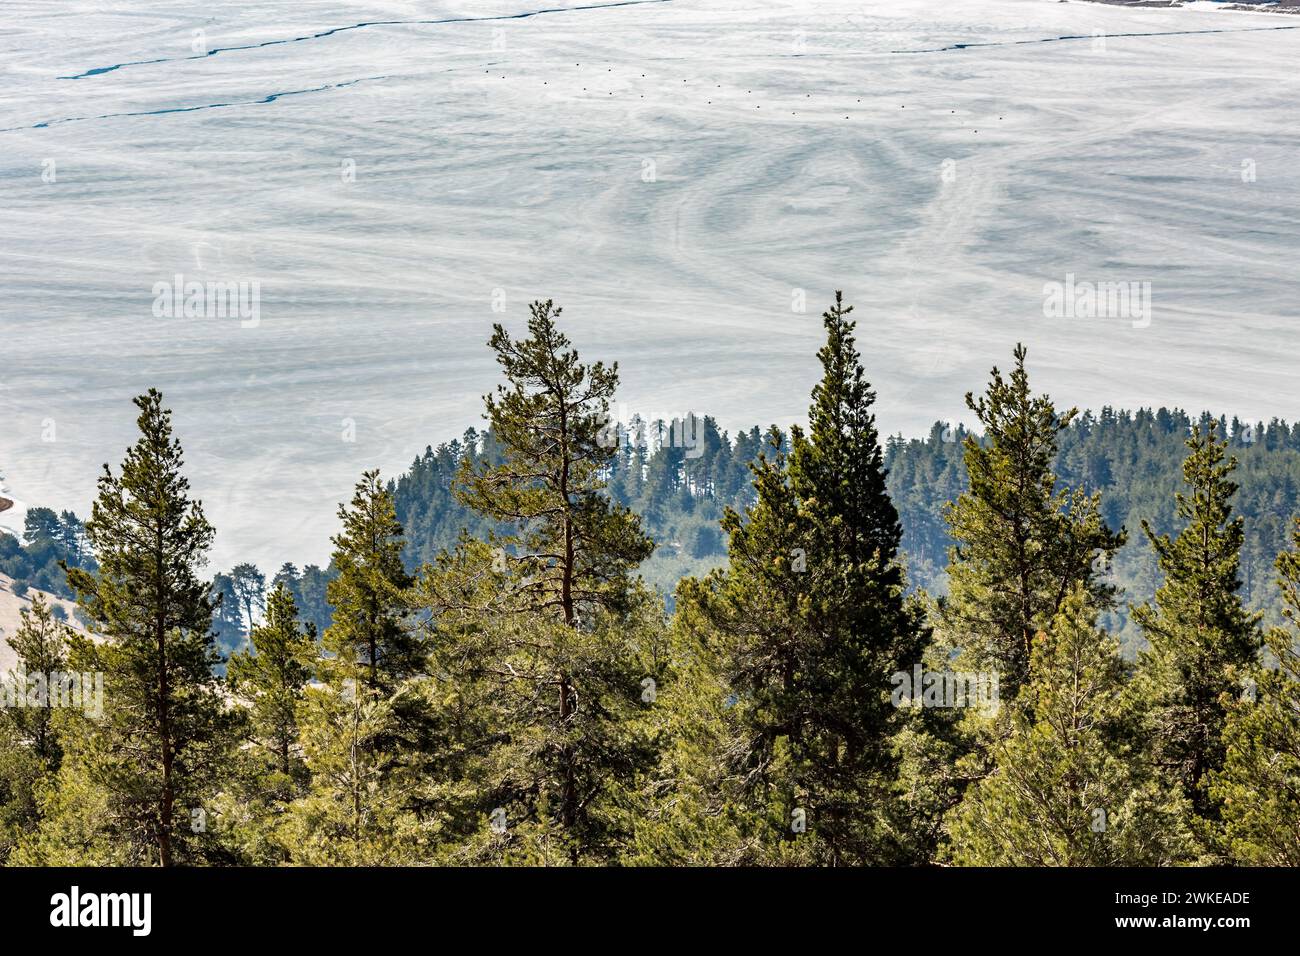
pixel 799 635
pixel 249 587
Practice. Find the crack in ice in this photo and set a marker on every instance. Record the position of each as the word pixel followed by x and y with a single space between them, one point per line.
pixel 269 98
pixel 1092 36
pixel 100 70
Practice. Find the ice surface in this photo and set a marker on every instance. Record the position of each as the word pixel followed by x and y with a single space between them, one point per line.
pixel 793 146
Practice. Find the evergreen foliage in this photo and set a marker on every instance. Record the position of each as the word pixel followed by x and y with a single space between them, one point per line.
pixel 1072 785
pixel 1259 785
pixel 801 632
pixel 490 670
pixel 541 626
pixel 143 776
pixel 1202 640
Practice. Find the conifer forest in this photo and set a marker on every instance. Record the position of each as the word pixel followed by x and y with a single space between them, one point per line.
pixel 484 675
pixel 582 473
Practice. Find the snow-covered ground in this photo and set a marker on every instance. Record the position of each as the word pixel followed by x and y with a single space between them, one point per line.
pixel 11 609
pixel 671 171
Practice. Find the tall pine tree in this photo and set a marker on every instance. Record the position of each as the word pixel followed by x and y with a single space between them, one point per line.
pixel 1202 640
pixel 142 779
pixel 544 629
pixel 357 727
pixel 863 630
pixel 801 633
pixel 1021 542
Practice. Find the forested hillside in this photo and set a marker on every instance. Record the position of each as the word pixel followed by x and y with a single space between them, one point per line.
pixel 679 476
pixel 1133 458
pixel 482 675
pixel 680 490
pixel 49 541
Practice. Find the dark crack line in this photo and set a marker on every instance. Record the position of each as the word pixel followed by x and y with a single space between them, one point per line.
pixel 1093 36
pixel 269 98
pixel 99 70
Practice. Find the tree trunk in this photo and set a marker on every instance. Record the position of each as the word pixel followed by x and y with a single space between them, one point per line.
pixel 164 718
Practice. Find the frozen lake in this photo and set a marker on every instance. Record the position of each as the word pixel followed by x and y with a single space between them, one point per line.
pixel 672 172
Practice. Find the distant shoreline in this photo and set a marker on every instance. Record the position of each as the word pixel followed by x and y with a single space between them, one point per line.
pixel 1239 6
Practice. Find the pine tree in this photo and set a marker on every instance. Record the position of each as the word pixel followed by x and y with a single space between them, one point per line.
pixel 227 621
pixel 41 647
pixel 356 728
pixel 544 626
pixel 358 810
pixel 270 678
pixel 803 630
pixel 1201 637
pixel 1021 543
pixel 144 776
pixel 271 675
pixel 371 616
pixel 853 597
pixel 249 587
pixel 30 750
pixel 1259 785
pixel 1071 785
